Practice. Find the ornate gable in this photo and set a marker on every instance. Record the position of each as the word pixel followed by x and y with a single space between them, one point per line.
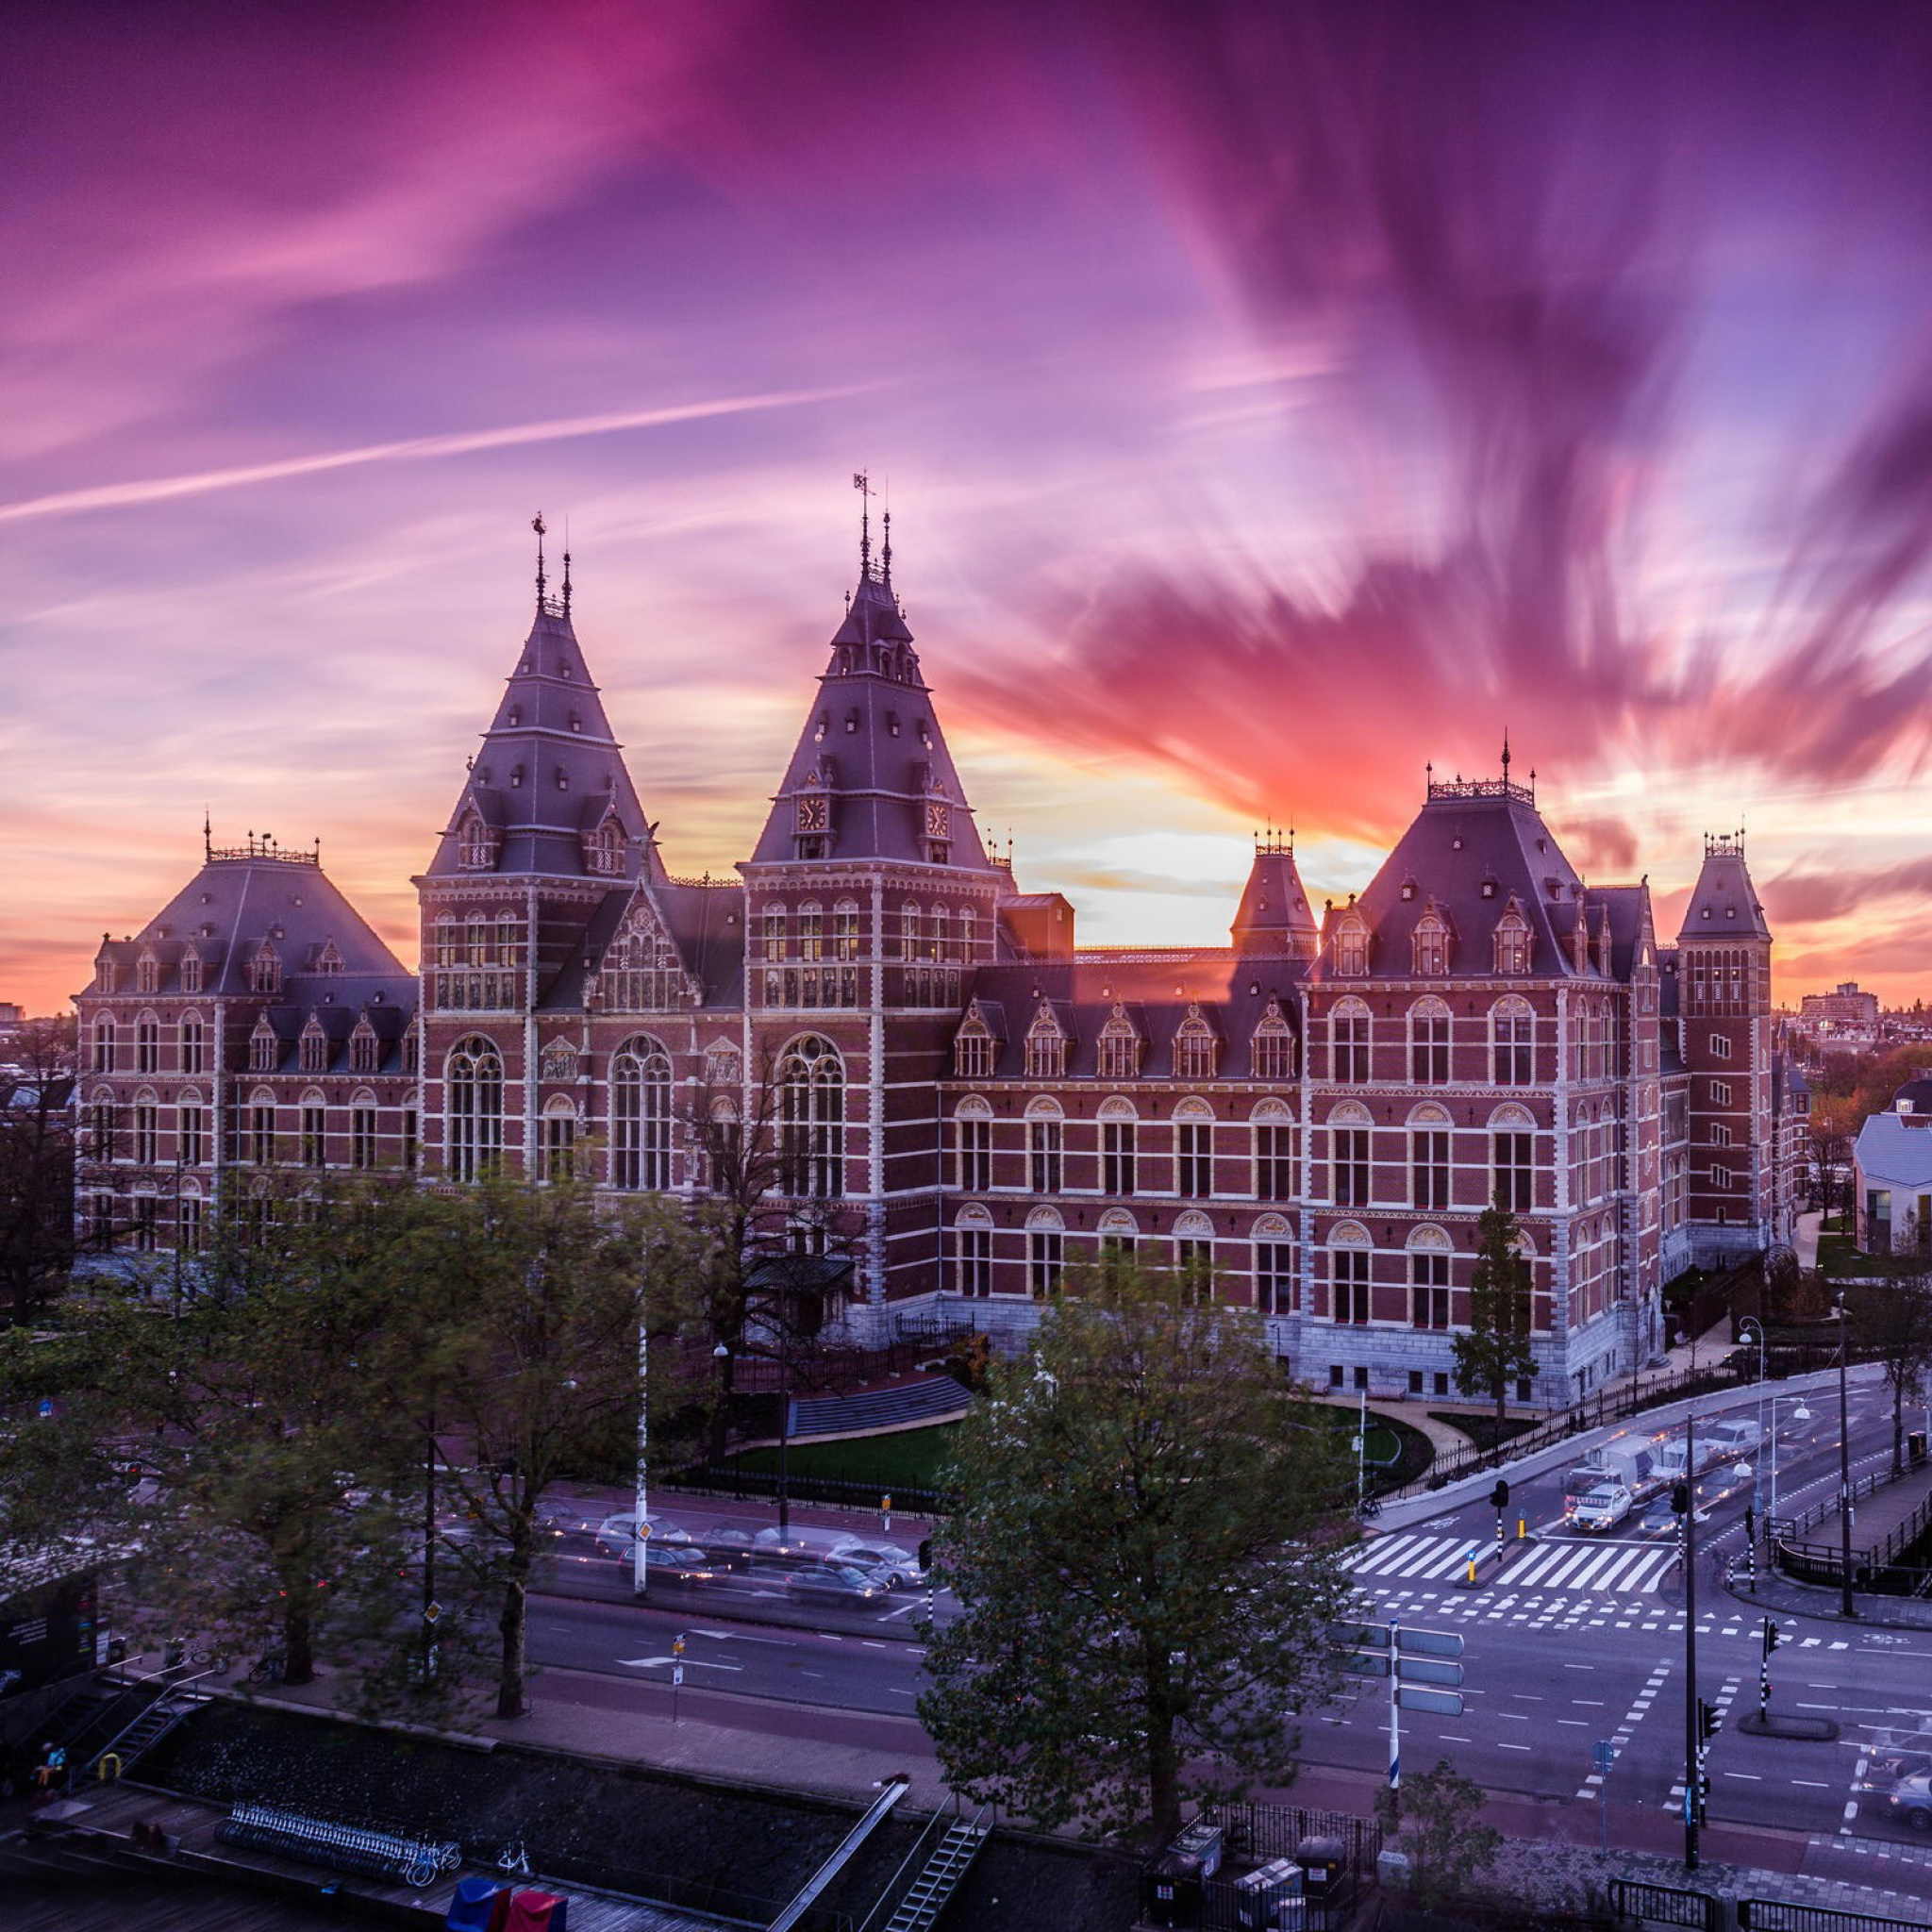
pixel 642 970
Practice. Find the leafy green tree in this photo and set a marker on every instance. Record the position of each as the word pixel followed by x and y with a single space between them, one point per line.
pixel 37 1239
pixel 1441 1815
pixel 1140 1552
pixel 518 1314
pixel 1494 1350
pixel 1891 1324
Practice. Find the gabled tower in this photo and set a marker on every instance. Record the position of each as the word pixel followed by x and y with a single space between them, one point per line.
pixel 546 834
pixel 869 893
pixel 1274 919
pixel 1724 1005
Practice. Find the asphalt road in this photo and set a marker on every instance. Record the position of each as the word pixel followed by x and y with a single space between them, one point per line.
pixel 1571 1640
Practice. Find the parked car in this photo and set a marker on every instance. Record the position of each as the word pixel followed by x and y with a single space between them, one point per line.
pixel 837 1583
pixel 895 1567
pixel 680 1563
pixel 1910 1799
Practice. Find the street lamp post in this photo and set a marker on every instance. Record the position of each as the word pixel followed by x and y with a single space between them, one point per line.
pixel 640 1575
pixel 784 1436
pixel 1800 1414
pixel 1744 1330
pixel 1693 1710
pixel 1846 1606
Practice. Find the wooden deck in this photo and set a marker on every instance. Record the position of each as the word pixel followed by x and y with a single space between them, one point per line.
pixel 267 1881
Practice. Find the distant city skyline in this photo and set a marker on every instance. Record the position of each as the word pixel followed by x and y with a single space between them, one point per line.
pixel 1273 401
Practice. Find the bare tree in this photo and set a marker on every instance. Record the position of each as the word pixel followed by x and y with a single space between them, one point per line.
pixel 1893 1323
pixel 37 1237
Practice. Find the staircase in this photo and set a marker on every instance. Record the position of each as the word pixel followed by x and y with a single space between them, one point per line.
pixel 934 1399
pixel 939 1878
pixel 136 1739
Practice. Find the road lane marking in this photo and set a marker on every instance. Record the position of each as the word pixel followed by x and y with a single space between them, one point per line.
pixel 1512 1747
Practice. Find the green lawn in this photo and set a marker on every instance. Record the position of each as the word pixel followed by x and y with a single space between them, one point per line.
pixel 907 1459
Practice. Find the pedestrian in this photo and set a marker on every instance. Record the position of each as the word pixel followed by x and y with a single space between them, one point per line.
pixel 44 1771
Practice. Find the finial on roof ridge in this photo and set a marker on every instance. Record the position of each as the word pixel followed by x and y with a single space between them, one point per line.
pixel 566 565
pixel 861 481
pixel 886 556
pixel 208 834
pixel 538 525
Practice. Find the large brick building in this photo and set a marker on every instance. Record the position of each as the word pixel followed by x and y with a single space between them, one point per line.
pixel 1317 1111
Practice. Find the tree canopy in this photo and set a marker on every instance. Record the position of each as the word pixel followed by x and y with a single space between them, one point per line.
pixel 1494 1351
pixel 1140 1555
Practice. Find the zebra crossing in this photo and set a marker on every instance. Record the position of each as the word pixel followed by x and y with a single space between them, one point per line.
pixel 1564 1563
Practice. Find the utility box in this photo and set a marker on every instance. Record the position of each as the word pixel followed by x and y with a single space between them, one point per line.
pixel 1391 1871
pixel 1171 1890
pixel 1915 1446
pixel 1260 1894
pixel 1201 1841
pixel 1324 1869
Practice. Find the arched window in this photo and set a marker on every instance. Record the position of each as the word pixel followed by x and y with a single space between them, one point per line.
pixel 1194 1149
pixel 147 973
pixel 265 971
pixel 966 934
pixel 476 844
pixel 1352 945
pixel 1119 1047
pixel 1513 1042
pixel 473 1097
pixel 1194 1253
pixel 1348 1035
pixel 1046 1252
pixel 1429 945
pixel 972 1048
pixel 365 1049
pixel 477 934
pixel 604 849
pixel 147 1128
pixel 147 1045
pixel 1047 1047
pixel 972 1144
pixel 1428 1277
pixel 1119 1150
pixel 811 931
pixel 938 933
pixel 1274 1265
pixel 1275 1162
pixel 1120 1234
pixel 1350 1263
pixel 448 947
pixel 1428 1157
pixel 1195 1048
pixel 972 1251
pixel 1512 941
pixel 1513 1153
pixel 908 932
pixel 1351 1173
pixel 104 1046
pixel 811 1119
pixel 845 929
pixel 1428 1043
pixel 556 1151
pixel 1271 1048
pixel 313 1049
pixel 641 1116
pixel 264 1049
pixel 1045 1145
pixel 191 971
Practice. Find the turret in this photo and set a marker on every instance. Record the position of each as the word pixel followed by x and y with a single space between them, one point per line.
pixel 1274 918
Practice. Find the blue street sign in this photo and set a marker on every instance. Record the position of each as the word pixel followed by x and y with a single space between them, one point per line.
pixel 1602 1754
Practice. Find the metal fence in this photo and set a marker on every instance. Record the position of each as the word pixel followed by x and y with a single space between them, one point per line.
pixel 1253 1833
pixel 837 1493
pixel 1781 1915
pixel 1665 1904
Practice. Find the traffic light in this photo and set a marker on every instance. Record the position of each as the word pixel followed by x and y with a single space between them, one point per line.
pixel 1680 1498
pixel 1499 1496
pixel 1771 1636
pixel 925 1553
pixel 1708 1719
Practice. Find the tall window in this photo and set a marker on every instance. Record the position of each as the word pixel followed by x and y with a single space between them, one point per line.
pixel 1428 1275
pixel 1352 948
pixel 972 1246
pixel 314 1136
pixel 146 1212
pixel 975 1153
pixel 1274 1278
pixel 314 1052
pixel 265 972
pixel 1349 1033
pixel 972 1052
pixel 147 974
pixel 908 932
pixel 261 1133
pixel 190 972
pixel 1429 1044
pixel 1513 1043
pixel 811 931
pixel 147 1045
pixel 1046 1050
pixel 264 1049
pixel 1193 1159
pixel 1193 1262
pixel 641 1116
pixel 104 1046
pixel 191 1044
pixel 1117 1164
pixel 1045 1144
pixel 845 930
pixel 473 1086
pixel 1512 942
pixel 1272 1049
pixel 1120 1049
pixel 775 932
pixel 1429 1167
pixel 1274 1161
pixel 1193 1050
pixel 1351 1166
pixel 811 1119
pixel 362 1136
pixel 146 1131
pixel 1430 946
pixel 1515 1171
pixel 556 1151
pixel 1045 1260
pixel 188 1223
pixel 1349 1284
pixel 363 1049
pixel 192 1124
pixel 412 1139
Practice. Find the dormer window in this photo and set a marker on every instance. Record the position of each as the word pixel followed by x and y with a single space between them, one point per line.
pixel 1120 1048
pixel 476 844
pixel 329 962
pixel 1194 1048
pixel 577 724
pixel 314 1048
pixel 264 1049
pixel 1512 941
pixel 364 1048
pixel 104 976
pixel 1046 1048
pixel 147 974
pixel 516 777
pixel 973 1050
pixel 1488 889
pixel 1272 1048
pixel 1429 945
pixel 265 971
pixel 1352 945
pixel 516 715
pixel 1408 889
pixel 604 850
pixel 191 971
pixel 562 779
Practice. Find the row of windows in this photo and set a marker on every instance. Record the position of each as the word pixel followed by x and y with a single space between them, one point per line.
pixel 1432 944
pixel 135 1134
pixel 313 1050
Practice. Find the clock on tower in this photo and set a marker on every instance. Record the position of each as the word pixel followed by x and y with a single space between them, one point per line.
pixel 938 820
pixel 813 814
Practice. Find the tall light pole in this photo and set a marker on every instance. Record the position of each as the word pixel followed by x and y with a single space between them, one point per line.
pixel 1744 1328
pixel 1693 1726
pixel 640 1578
pixel 1846 1606
pixel 1799 1414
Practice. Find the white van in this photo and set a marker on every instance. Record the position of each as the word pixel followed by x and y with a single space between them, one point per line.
pixel 1602 1507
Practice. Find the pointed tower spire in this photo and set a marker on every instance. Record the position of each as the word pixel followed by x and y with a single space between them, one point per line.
pixel 537 524
pixel 1505 754
pixel 208 834
pixel 886 561
pixel 861 481
pixel 1274 918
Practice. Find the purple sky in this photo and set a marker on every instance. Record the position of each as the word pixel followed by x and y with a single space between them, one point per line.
pixel 1271 399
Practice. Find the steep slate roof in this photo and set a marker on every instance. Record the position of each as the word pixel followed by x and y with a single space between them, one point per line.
pixel 1724 903
pixel 1155 988
pixel 872 746
pixel 1465 834
pixel 1274 915
pixel 548 767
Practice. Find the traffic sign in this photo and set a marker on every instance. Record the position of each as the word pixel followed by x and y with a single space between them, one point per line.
pixel 1425 1670
pixel 644 1530
pixel 1431 1642
pixel 1415 1697
pixel 1363 1636
pixel 676 1675
pixel 1362 1663
pixel 1602 1754
pixel 431 1611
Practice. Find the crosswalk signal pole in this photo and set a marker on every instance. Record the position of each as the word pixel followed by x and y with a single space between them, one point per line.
pixel 1394 1705
pixel 1499 1499
pixel 1684 1500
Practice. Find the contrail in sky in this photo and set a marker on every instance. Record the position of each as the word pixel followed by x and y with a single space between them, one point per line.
pixel 414 449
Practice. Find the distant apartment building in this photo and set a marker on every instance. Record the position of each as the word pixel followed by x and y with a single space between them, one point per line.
pixel 1846 1006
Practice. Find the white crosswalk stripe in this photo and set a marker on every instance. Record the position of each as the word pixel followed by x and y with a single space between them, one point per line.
pixel 1616 1569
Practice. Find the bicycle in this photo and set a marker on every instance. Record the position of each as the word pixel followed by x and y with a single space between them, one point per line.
pixel 514 1859
pixel 272 1669
pixel 210 1657
pixel 1369 1507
